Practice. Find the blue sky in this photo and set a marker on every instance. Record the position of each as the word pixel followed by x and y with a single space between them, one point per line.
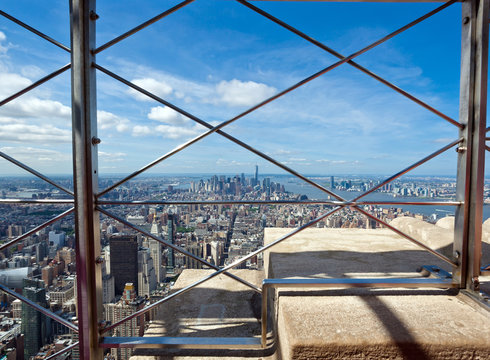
pixel 216 59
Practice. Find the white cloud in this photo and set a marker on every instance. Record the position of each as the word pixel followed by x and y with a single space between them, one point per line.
pixel 107 120
pixel 167 115
pixel 108 157
pixel 34 107
pixel 35 154
pixel 3 37
pixel 176 132
pixel 19 132
pixel 139 130
pixel 158 87
pixel 238 93
pixel 11 83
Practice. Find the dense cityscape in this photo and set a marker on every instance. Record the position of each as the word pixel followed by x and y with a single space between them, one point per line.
pixel 194 213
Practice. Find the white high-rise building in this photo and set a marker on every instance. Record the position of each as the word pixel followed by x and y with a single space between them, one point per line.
pixel 147 281
pixel 156 253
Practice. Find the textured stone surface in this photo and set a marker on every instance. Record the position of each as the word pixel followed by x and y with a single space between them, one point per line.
pixel 337 323
pixel 372 324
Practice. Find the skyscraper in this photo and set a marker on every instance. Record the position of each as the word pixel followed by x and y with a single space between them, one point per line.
pixel 124 261
pixel 34 324
pixel 156 253
pixel 256 178
pixel 127 305
pixel 170 239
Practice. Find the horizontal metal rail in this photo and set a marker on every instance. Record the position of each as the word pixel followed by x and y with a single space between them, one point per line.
pixel 344 283
pixel 37 201
pixel 225 269
pixel 273 202
pixel 35 84
pixel 35 173
pixel 352 63
pixel 158 342
pixel 62 351
pixel 39 308
pixel 409 168
pixel 142 26
pixel 36 229
pixel 37 32
pixel 176 248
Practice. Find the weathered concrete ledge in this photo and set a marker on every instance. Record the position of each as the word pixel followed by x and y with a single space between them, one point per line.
pixel 336 323
pixel 379 323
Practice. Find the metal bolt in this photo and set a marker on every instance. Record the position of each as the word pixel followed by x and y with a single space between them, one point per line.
pixel 99 260
pixel 95 140
pixel 461 149
pixel 93 15
pixel 466 20
pixel 456 254
pixel 102 324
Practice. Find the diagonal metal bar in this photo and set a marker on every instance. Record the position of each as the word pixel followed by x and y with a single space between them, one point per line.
pixel 401 233
pixel 209 126
pixel 409 168
pixel 352 63
pixel 38 201
pixel 61 352
pixel 274 97
pixel 39 308
pixel 34 172
pixel 36 229
pixel 142 26
pixel 487 147
pixel 488 129
pixel 226 268
pixel 37 32
pixel 176 248
pixel 36 84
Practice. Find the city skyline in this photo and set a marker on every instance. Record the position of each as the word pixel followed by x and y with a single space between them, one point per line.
pixel 220 66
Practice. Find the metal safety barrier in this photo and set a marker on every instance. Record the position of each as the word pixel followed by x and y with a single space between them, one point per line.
pixel 89 202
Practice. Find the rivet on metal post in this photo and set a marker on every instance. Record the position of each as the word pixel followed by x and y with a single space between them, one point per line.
pixel 93 15
pixel 99 260
pixel 95 141
pixel 466 20
pixel 456 254
pixel 103 323
pixel 461 149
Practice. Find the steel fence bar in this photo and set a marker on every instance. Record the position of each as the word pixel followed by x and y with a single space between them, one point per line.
pixel 39 201
pixel 272 98
pixel 36 229
pixel 34 172
pixel 37 32
pixel 142 26
pixel 222 270
pixel 487 139
pixel 36 84
pixel 39 308
pixel 352 63
pixel 61 352
pixel 487 129
pixel 273 202
pixel 401 233
pixel 209 126
pixel 487 147
pixel 175 247
pixel 409 168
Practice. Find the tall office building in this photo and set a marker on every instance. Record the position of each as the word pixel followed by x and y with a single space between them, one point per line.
pixel 156 253
pixel 129 304
pixel 170 239
pixel 256 178
pixel 124 261
pixel 147 281
pixel 34 325
pixel 332 182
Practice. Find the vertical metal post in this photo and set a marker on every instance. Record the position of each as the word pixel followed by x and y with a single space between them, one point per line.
pixel 471 158
pixel 84 123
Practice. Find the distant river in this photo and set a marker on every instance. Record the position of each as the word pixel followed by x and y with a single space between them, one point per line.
pixel 440 211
